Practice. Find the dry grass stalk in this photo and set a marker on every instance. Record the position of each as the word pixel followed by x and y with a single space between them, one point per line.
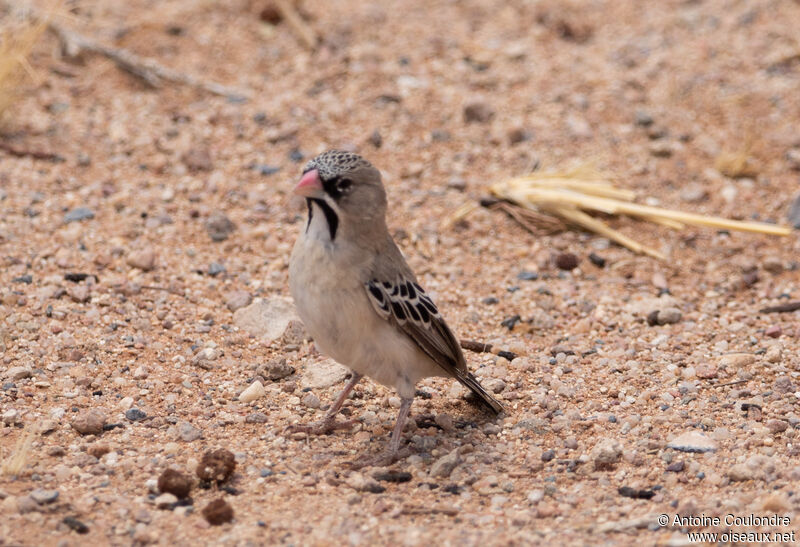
pixel 15 462
pixel 298 25
pixel 18 35
pixel 569 195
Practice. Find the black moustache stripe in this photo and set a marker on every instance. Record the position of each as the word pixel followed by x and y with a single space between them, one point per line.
pixel 330 215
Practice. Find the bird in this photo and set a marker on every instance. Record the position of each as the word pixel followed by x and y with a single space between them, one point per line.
pixel 359 299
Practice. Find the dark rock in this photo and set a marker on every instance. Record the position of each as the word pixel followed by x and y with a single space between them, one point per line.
pixel 635 493
pixel 548 455
pixel 643 118
pixel 75 525
pixel 219 226
pixel 215 268
pixel 264 169
pixel 134 414
pixel 478 111
pixel 597 260
pixel 794 213
pixel 392 476
pixel 676 467
pixel 375 139
pixel 526 275
pixel 27 279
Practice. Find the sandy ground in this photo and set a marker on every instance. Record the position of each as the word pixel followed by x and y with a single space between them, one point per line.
pixel 444 97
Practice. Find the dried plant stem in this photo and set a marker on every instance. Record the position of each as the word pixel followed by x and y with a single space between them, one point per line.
pixel 298 25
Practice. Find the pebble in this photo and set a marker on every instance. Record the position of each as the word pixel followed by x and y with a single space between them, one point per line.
pixel 774 331
pixel 535 496
pixel 445 465
pixel 135 415
pixel 706 371
pixel 144 259
pixel 777 426
pixel 676 467
pixel 43 497
pixel 606 453
pixel 166 501
pixel 642 118
pixel 90 422
pixel 78 214
pixel 793 216
pixel 79 293
pixel 774 354
pixel 693 193
pixel 311 400
pixel 197 158
pixel 187 432
pixel 18 373
pixel 75 525
pixel 217 466
pixel 215 268
pixel 276 369
pixel 254 391
pixel 266 319
pixel 323 374
pixel 737 360
pixel 256 418
pixel 238 299
pixel 692 441
pixel 361 483
pixel 578 126
pixel 517 135
pixel 668 316
pixel 478 111
pixel 219 226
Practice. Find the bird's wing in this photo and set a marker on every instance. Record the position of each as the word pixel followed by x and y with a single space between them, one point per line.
pixel 405 304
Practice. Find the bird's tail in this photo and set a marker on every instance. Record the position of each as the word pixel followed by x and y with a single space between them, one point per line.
pixel 469 381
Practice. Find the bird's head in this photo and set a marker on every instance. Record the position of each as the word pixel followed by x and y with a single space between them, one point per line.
pixel 345 182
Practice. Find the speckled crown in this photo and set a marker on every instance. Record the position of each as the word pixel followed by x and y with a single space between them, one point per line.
pixel 333 163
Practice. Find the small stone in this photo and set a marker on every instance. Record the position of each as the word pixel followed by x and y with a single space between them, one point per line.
pixel 276 369
pixel 392 476
pixel 254 391
pixel 445 421
pixel 773 265
pixel 188 433
pixel 140 373
pixel 219 226
pixel 197 158
pixel 548 455
pixel 774 354
pixel 597 260
pixel 90 422
pixel 266 319
pixel 295 334
pixel 566 261
pixel 144 259
pixel 444 466
pixel 79 293
pixel 692 441
pixel 216 465
pixel 643 118
pixel 737 360
pixel 78 214
pixel 774 331
pixel 375 139
pixel 706 371
pixel 541 320
pixel 360 483
pixel 215 268
pixel 218 512
pixel 98 450
pixel 777 426
pixel 661 149
pixel 166 501
pixel 793 216
pixel 676 467
pixel 324 374
pixel 311 400
pixel 18 373
pixel 668 316
pixel 237 300
pixel 783 384
pixel 478 111
pixel 135 415
pixel 606 453
pixel 578 127
pixel 535 496
pixel 518 135
pixel 43 497
pixel 75 525
pixel 174 482
pixel 256 418
pixel 693 193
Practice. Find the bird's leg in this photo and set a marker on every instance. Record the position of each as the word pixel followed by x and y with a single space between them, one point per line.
pixel 328 424
pixel 392 452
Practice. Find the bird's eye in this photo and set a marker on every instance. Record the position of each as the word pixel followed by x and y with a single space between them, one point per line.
pixel 344 184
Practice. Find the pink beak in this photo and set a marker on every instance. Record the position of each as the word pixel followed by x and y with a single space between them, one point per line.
pixel 309 185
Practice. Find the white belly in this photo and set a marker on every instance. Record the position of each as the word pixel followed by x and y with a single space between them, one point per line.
pixel 337 313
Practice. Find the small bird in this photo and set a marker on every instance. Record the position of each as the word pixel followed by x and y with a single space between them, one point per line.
pixel 359 299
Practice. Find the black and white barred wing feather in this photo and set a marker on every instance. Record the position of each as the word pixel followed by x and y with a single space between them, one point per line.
pixel 404 303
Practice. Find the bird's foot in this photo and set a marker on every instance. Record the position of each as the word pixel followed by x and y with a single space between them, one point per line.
pixel 384 459
pixel 326 426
